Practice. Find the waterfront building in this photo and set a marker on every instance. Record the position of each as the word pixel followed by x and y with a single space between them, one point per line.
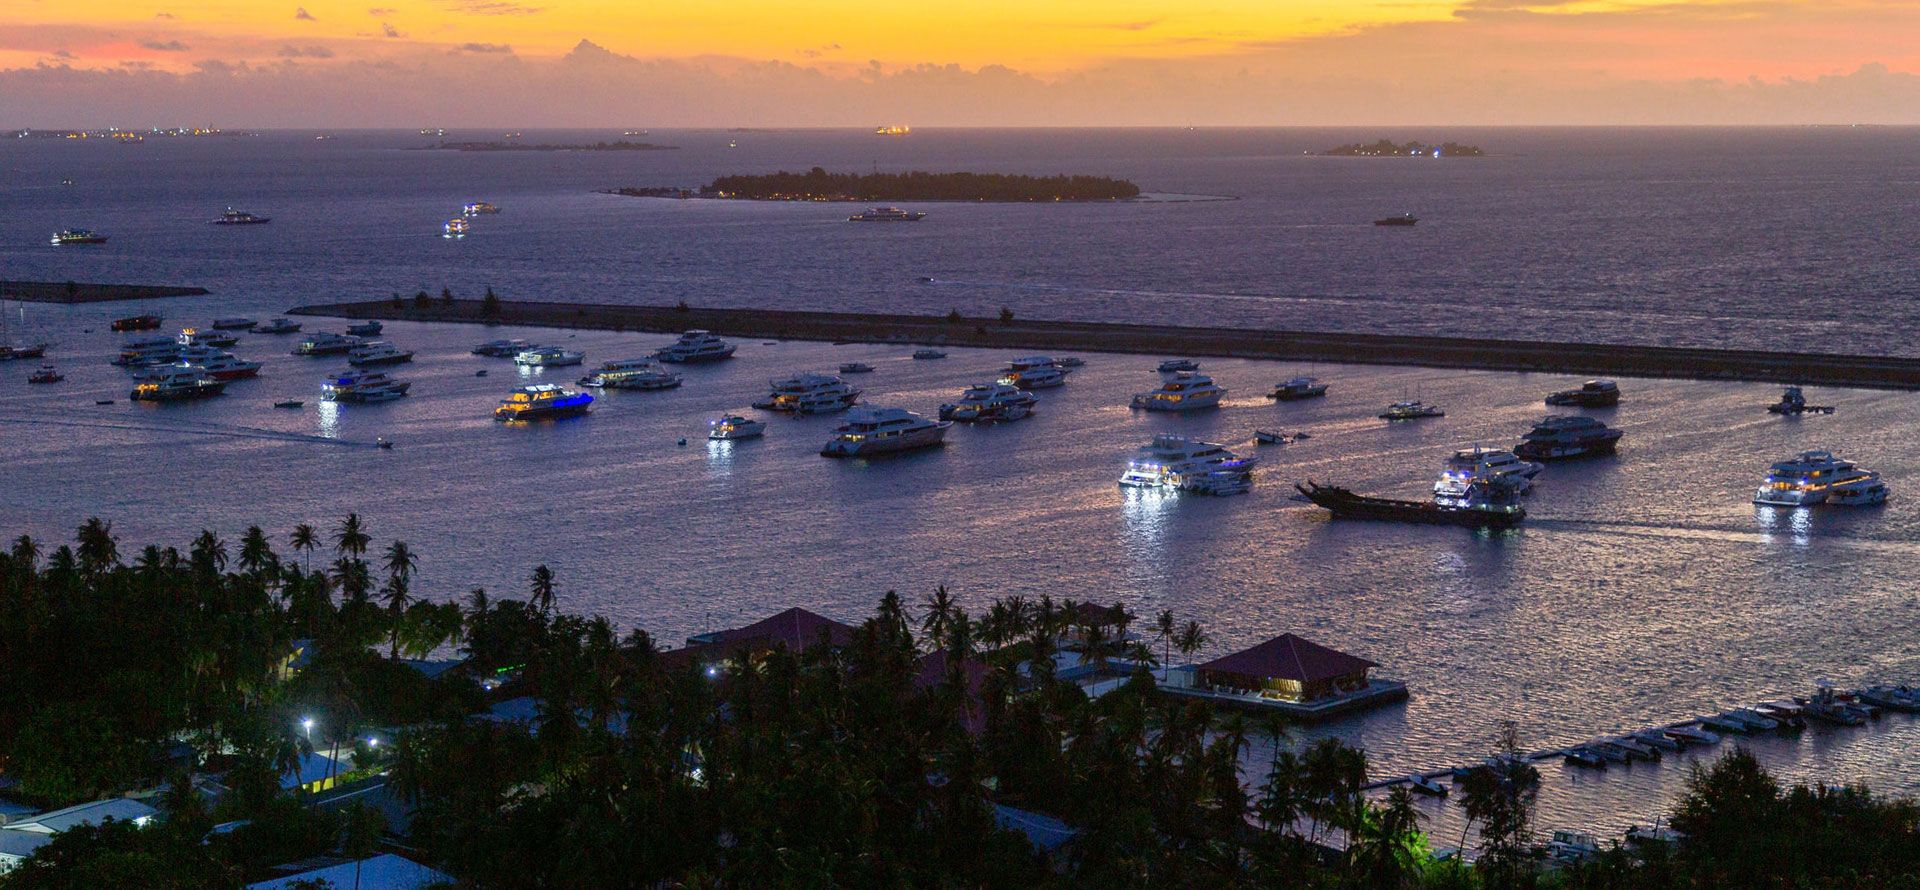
pixel 796 629
pixel 383 872
pixel 1288 668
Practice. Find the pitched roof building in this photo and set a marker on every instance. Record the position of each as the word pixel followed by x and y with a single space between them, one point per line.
pixel 90 813
pixel 1290 668
pixel 797 629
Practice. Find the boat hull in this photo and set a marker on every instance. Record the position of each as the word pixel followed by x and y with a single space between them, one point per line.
pixel 696 358
pixel 1288 395
pixel 1568 451
pixel 181 394
pixel 922 438
pixel 380 360
pixel 540 413
pixel 1347 505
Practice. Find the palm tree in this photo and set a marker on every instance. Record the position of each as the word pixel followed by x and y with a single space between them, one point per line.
pixel 304 540
pixel 256 555
pixel 1167 626
pixel 1191 639
pixel 98 550
pixel 349 540
pixel 26 551
pixel 541 586
pixel 940 613
pixel 401 562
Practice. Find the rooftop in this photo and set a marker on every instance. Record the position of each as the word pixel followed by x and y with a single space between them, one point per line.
pixel 89 813
pixel 383 872
pixel 796 628
pixel 1288 657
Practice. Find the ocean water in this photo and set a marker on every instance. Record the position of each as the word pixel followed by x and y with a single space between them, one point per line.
pixel 1643 589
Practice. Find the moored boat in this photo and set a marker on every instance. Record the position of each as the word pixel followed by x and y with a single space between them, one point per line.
pixel 279 326
pixel 1592 394
pixel 887 214
pixel 137 323
pixel 928 353
pixel 1176 365
pixel 855 368
pixel 502 348
pixel 1181 463
pixel 1817 477
pixel 46 374
pixel 358 386
pixel 1567 436
pixel 542 401
pixel 325 343
pixel 176 386
pixel 1404 219
pixel 367 328
pixel 1487 505
pixel 233 324
pixel 377 352
pixel 1298 388
pixel 548 357
pixel 870 431
pixel 1184 391
pixel 78 236
pixel 734 426
pixel 191 337
pixel 990 402
pixel 1793 403
pixel 695 347
pixel 809 394
pixel 1411 411
pixel 1034 372
pixel 232 217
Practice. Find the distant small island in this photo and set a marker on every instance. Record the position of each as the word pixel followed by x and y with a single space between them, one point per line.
pixel 620 145
pixel 1387 149
pixel 819 185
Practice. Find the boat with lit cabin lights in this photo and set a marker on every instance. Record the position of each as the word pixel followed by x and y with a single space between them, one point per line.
pixel 1817 477
pixel 695 347
pixel 1184 391
pixel 1182 464
pixel 1467 466
pixel 990 402
pixel 542 401
pixel 191 337
pixel 887 214
pixel 1411 411
pixel 1034 372
pixel 883 431
pixel 478 208
pixel 548 357
pixel 734 426
pixel 176 386
pixel 326 343
pixel 362 387
pixel 809 394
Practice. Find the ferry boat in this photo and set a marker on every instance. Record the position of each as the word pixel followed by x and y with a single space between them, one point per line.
pixel 362 387
pixel 150 351
pixel 478 208
pixel 855 368
pixel 597 375
pixel 46 374
pixel 887 214
pixel 1793 402
pixel 233 324
pixel 1817 477
pixel 1404 219
pixel 1561 437
pixel 191 337
pixel 78 236
pixel 882 431
pixel 454 228
pixel 809 394
pixel 1182 464
pixel 175 386
pixel 734 426
pixel 211 363
pixel 1488 504
pixel 1298 388
pixel 1185 391
pixel 647 378
pixel 232 217
pixel 377 352
pixel 1176 365
pixel 1034 372
pixel 325 343
pixel 137 323
pixel 928 353
pixel 11 351
pixel 990 402
pixel 548 357
pixel 694 347
pixel 1592 394
pixel 1468 466
pixel 279 326
pixel 368 328
pixel 1411 411
pixel 542 401
pixel 502 348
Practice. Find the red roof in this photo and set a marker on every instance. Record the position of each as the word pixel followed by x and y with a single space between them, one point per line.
pixel 1287 657
pixel 796 628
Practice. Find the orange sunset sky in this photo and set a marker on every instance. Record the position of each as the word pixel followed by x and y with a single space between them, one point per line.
pixel 957 62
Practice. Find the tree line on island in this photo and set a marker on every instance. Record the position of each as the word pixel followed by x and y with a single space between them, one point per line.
pixel 919 185
pixel 886 760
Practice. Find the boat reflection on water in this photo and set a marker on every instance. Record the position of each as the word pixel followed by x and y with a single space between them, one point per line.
pixel 1791 524
pixel 326 418
pixel 1146 517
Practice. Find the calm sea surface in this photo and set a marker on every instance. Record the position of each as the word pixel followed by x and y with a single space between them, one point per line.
pixel 1643 588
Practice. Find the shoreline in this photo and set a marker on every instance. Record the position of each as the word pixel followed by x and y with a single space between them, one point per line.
pixel 82 292
pixel 1591 359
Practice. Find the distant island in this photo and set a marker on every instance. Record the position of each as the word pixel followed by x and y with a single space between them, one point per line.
pixel 819 185
pixel 620 145
pixel 1387 149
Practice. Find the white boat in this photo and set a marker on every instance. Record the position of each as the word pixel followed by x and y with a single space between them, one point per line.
pixel 1176 365
pixel 809 394
pixel 734 426
pixel 326 343
pixel 362 386
pixel 1034 372
pixel 191 337
pixel 377 352
pixel 1477 464
pixel 1817 477
pixel 1275 437
pixel 1184 391
pixel 368 328
pixel 279 326
pixel 598 376
pixel 884 430
pixel 1183 464
pixel 989 402
pixel 694 347
pixel 649 377
pixel 855 368
pixel 1427 786
pixel 1068 362
pixel 928 352
pixel 1693 734
pixel 210 363
pixel 1564 436
pixel 548 357
pixel 1411 411
pixel 502 348
pixel 887 214
pixel 454 228
pixel 149 351
pixel 1298 388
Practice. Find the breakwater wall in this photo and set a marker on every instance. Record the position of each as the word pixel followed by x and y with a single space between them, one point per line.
pixel 82 292
pixel 1583 359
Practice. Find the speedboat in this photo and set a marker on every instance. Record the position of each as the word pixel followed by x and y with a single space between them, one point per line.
pixel 233 324
pixel 502 348
pixel 1752 718
pixel 1592 394
pixel 734 426
pixel 1411 411
pixel 279 326
pixel 548 357
pixel 1723 723
pixel 928 352
pixel 1655 738
pixel 478 208
pixel 191 337
pixel 694 347
pixel 232 217
pixel 542 401
pixel 78 236
pixel 1184 391
pixel 454 228
pixel 809 394
pixel 362 386
pixel 325 343
pixel 1176 365
pixel 1178 463
pixel 598 375
pixel 855 368
pixel 1584 756
pixel 177 385
pixel 1298 388
pixel 46 374
pixel 1817 477
pixel 1560 437
pixel 1427 786
pixel 1692 735
pixel 884 430
pixel 989 402
pixel 1034 372
pixel 887 214
pixel 136 323
pixel 1468 465
pixel 368 328
pixel 377 352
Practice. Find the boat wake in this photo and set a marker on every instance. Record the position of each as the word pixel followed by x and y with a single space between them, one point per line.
pixel 201 429
pixel 1724 533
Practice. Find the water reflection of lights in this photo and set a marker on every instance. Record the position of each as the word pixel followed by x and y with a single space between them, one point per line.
pixel 720 458
pixel 327 418
pixel 1795 522
pixel 1146 513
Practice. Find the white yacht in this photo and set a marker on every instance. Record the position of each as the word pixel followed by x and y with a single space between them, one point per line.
pixel 191 337
pixel 211 363
pixel 1563 436
pixel 362 386
pixel 150 351
pixel 599 376
pixel 279 326
pixel 1184 391
pixel 1034 372
pixel 1411 411
pixel 882 430
pixel 648 377
pixel 325 343
pixel 809 394
pixel 1298 388
pixel 548 357
pixel 696 346
pixel 502 348
pixel 1468 466
pixel 989 402
pixel 734 426
pixel 1817 477
pixel 1183 464
pixel 377 352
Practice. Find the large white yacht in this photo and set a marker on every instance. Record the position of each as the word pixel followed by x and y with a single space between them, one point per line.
pixel 1184 391
pixel 1471 465
pixel 191 337
pixel 377 352
pixel 734 426
pixel 649 377
pixel 209 363
pixel 881 430
pixel 1180 463
pixel 1034 372
pixel 177 385
pixel 362 386
pixel 502 348
pixel 989 402
pixel 548 357
pixel 809 394
pixel 1562 436
pixel 696 346
pixel 149 351
pixel 1817 477
pixel 326 343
